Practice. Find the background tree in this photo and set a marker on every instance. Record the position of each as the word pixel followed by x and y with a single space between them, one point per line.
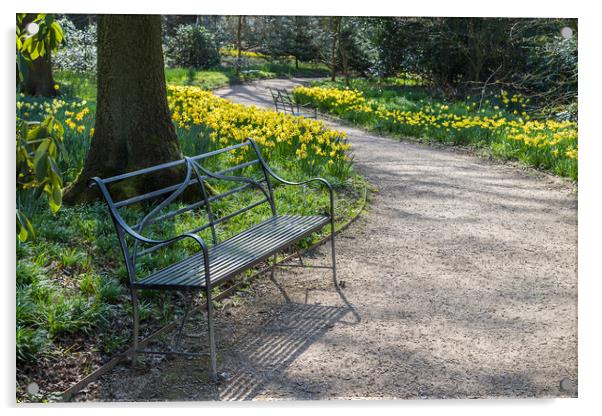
pixel 456 54
pixel 334 28
pixel 355 51
pixel 133 127
pixel 304 47
pixel 78 52
pixel 192 46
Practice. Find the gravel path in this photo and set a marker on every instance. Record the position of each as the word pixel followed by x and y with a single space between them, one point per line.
pixel 460 282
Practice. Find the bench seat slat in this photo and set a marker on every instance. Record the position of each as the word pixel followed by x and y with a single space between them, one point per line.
pixel 235 254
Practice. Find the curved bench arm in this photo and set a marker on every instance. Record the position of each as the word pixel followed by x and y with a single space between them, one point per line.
pixel 286 182
pixel 129 230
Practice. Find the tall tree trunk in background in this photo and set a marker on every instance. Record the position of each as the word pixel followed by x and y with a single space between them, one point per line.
pixel 344 46
pixel 297 30
pixel 475 52
pixel 345 64
pixel 38 78
pixel 238 43
pixel 133 125
pixel 336 39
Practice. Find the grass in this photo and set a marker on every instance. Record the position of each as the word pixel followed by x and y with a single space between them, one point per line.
pixel 208 80
pixel 226 75
pixel 76 84
pixel 83 85
pixel 503 125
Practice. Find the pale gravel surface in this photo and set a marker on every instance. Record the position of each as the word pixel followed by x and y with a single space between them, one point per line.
pixel 461 282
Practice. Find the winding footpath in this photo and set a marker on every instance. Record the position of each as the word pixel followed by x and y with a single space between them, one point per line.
pixel 460 282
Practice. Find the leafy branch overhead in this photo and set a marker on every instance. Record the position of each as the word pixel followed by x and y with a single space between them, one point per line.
pixel 48 37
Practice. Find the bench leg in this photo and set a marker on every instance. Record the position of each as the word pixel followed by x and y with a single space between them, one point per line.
pixel 212 349
pixel 135 328
pixel 178 337
pixel 333 253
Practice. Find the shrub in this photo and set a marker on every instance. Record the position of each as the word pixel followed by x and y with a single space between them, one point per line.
pixel 192 46
pixel 78 52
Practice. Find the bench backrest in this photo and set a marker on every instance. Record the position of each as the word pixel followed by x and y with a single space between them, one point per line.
pixel 165 203
pixel 282 97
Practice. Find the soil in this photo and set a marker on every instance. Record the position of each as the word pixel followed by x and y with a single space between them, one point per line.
pixel 460 281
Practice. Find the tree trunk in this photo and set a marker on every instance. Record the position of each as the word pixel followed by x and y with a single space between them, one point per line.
pixel 39 80
pixel 133 125
pixel 345 64
pixel 344 46
pixel 336 22
pixel 238 43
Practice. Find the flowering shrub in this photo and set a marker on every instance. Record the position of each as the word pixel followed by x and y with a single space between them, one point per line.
pixel 78 53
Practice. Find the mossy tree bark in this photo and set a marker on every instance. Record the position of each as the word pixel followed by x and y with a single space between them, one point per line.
pixel 133 124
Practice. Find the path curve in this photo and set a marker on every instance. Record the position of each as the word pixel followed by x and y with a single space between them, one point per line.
pixel 462 279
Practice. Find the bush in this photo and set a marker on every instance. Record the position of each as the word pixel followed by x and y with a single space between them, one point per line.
pixel 78 52
pixel 191 46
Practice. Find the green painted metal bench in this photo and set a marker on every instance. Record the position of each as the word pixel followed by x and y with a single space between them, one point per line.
pixel 215 263
pixel 284 102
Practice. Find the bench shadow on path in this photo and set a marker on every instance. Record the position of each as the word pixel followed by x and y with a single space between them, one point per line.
pixel 263 355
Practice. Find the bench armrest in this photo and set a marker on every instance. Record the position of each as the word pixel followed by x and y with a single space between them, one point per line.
pixel 286 182
pixel 129 230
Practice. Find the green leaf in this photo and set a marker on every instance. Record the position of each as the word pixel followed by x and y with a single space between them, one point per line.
pixel 41 151
pixel 56 199
pixel 40 161
pixel 24 227
pixel 36 133
pixel 22 66
pixel 34 54
pixel 56 171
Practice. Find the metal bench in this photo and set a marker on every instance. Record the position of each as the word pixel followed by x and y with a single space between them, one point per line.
pixel 284 102
pixel 218 262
